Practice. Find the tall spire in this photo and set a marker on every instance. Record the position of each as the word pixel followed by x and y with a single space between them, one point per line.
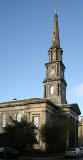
pixel 55 35
pixel 54 83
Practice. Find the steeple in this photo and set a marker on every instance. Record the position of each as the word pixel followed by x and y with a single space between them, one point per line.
pixel 55 52
pixel 55 35
pixel 54 82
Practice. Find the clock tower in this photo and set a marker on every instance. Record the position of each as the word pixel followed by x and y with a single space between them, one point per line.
pixel 54 83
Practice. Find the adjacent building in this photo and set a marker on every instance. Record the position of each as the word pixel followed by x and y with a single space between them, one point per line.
pixel 80 133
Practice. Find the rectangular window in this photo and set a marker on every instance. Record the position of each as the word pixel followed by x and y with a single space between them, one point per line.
pixel 3 120
pixel 36 121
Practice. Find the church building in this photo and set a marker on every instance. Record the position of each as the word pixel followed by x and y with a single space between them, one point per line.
pixel 39 110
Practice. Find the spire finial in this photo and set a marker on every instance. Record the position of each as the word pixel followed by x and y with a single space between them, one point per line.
pixel 55 34
pixel 55 10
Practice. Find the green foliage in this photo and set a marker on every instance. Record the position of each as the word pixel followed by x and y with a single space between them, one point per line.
pixel 54 133
pixel 19 134
pixel 72 131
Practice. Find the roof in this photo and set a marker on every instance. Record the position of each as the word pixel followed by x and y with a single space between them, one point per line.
pixel 16 102
pixel 73 106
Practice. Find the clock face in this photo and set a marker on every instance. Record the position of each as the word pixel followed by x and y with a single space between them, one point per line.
pixel 52 71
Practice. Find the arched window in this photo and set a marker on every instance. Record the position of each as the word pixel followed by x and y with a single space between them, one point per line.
pixel 18 117
pixel 3 119
pixel 52 90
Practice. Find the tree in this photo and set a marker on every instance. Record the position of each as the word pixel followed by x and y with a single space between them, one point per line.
pixel 54 133
pixel 19 134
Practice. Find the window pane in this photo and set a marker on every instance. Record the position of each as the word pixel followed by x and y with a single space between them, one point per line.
pixel 3 120
pixel 18 117
pixel 36 121
pixel 52 90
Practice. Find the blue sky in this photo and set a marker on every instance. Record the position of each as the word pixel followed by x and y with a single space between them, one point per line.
pixel 25 38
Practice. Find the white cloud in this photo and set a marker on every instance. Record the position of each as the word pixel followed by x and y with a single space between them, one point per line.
pixel 78 90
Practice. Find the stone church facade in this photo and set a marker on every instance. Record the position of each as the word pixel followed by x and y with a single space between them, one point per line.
pixel 39 110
